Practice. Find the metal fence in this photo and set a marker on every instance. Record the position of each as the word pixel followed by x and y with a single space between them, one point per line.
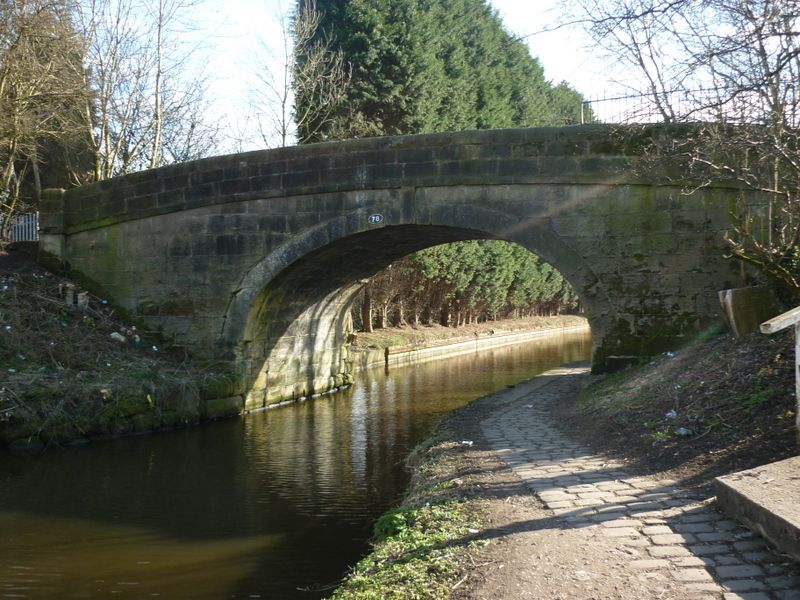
pixel 707 104
pixel 22 228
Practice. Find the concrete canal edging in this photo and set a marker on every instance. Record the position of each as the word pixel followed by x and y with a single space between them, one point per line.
pixel 393 356
pixel 765 500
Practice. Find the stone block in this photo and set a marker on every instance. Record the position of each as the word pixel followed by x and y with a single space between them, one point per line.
pixel 425 171
pixel 709 549
pixel 657 530
pixel 743 585
pixel 692 575
pixel 109 208
pixel 669 551
pixel 256 399
pixel 673 538
pixel 518 168
pixel 208 174
pixel 650 564
pixel 739 571
pixel 602 165
pixel 475 170
pixel 229 244
pixel 553 166
pixel 171 199
pixel 764 499
pixel 196 194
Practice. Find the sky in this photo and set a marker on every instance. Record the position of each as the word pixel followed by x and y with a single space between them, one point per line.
pixel 234 32
pixel 564 53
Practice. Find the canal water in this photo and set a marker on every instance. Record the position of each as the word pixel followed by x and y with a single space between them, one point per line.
pixel 273 505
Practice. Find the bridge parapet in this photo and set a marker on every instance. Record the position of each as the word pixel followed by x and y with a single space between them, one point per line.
pixel 580 155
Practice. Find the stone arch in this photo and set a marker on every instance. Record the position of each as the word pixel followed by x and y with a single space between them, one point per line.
pixel 287 319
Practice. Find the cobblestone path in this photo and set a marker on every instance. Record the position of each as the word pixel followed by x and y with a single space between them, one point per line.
pixel 667 531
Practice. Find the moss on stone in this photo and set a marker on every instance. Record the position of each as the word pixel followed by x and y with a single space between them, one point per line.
pixel 223 407
pixel 131 403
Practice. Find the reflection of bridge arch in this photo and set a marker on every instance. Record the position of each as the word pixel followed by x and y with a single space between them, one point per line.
pixel 253 257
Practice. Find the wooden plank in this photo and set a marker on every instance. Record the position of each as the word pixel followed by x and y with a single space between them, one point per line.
pixel 781 322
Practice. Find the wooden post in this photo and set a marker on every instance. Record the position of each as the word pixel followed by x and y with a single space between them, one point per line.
pixel 780 323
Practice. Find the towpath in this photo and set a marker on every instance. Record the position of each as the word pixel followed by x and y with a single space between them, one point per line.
pixel 595 530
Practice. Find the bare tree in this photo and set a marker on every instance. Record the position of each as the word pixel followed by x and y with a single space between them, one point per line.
pixel 318 73
pixel 41 92
pixel 147 106
pixel 272 96
pixel 307 67
pixel 733 65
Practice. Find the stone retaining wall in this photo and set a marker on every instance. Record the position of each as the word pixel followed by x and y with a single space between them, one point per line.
pixel 391 356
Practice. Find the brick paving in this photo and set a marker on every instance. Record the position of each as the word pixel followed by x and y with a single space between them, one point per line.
pixel 664 528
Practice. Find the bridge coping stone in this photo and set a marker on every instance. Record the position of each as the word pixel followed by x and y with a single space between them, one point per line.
pixel 577 155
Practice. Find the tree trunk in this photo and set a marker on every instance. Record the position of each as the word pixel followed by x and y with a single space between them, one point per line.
pixel 37 178
pixel 366 310
pixel 383 316
pixel 158 111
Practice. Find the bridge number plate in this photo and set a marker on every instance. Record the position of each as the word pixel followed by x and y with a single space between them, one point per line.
pixel 375 219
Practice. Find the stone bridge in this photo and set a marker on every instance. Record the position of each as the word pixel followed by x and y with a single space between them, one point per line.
pixel 255 258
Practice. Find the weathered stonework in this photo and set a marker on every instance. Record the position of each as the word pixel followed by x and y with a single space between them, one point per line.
pixel 253 258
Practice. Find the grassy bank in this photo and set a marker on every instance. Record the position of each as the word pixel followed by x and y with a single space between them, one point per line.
pixel 718 405
pixel 424 547
pixel 69 373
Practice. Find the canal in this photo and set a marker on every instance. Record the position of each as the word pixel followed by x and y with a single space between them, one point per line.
pixel 273 505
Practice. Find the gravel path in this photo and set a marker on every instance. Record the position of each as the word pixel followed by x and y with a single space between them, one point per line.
pixel 672 541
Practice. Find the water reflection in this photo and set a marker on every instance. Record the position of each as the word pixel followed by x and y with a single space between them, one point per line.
pixel 56 557
pixel 253 507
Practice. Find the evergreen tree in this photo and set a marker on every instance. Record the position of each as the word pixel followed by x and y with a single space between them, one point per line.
pixel 466 282
pixel 422 66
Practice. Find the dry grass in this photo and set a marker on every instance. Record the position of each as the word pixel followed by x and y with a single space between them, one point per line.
pixel 63 376
pixel 716 406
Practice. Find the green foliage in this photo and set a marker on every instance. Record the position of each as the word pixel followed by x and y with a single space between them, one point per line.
pixel 422 549
pixel 662 435
pixel 431 65
pixel 419 559
pixel 758 398
pixel 464 282
pixel 393 522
